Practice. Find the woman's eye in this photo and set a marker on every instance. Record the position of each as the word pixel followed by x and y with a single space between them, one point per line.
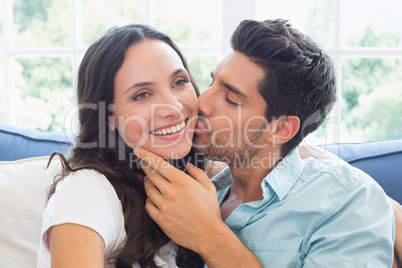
pixel 141 96
pixel 180 82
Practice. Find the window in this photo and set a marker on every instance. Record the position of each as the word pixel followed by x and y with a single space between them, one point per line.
pixel 371 70
pixel 364 37
pixel 43 41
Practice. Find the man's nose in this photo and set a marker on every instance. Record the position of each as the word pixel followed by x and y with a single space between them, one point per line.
pixel 206 102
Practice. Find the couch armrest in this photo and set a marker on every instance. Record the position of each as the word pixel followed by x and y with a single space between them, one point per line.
pixel 18 143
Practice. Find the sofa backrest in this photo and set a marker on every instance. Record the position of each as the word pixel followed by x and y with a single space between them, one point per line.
pixel 18 143
pixel 23 196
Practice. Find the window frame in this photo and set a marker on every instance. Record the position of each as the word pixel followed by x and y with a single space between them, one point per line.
pixel 233 11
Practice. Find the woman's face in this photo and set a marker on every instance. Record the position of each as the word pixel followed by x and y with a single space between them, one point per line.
pixel 155 105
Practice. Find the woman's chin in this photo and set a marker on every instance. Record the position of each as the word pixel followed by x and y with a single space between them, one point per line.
pixel 172 153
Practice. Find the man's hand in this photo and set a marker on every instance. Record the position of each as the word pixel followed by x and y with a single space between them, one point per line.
pixel 187 209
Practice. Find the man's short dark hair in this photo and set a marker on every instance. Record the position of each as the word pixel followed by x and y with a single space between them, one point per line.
pixel 299 76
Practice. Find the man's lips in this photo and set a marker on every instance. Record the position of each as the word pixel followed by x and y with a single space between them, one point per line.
pixel 201 126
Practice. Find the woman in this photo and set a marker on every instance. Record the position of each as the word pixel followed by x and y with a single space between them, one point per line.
pixel 134 88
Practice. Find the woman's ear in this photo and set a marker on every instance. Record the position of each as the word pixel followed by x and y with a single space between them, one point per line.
pixel 284 129
pixel 112 124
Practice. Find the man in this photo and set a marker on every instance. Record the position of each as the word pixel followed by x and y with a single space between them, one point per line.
pixel 274 88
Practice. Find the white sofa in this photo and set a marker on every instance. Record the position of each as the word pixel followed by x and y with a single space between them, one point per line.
pixel 23 186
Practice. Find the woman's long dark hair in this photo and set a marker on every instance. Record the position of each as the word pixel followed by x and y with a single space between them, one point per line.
pixel 100 149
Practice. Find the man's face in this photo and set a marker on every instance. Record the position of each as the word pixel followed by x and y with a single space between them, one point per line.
pixel 232 122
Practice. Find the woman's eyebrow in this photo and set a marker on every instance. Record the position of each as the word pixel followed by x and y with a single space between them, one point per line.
pixel 140 84
pixel 177 72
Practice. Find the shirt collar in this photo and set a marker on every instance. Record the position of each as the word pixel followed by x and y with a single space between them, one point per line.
pixel 282 178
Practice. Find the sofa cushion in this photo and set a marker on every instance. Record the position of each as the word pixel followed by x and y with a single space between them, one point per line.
pixel 382 160
pixel 23 186
pixel 18 143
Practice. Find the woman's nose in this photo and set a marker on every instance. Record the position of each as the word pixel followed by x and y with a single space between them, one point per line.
pixel 169 105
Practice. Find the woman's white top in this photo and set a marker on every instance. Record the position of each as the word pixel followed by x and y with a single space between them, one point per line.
pixel 87 198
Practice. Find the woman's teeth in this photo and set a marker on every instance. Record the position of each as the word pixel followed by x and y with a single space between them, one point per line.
pixel 169 130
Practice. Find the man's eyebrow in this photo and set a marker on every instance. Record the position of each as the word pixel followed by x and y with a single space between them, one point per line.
pixel 233 89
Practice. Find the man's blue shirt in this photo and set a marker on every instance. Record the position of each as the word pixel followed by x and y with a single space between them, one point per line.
pixel 315 213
